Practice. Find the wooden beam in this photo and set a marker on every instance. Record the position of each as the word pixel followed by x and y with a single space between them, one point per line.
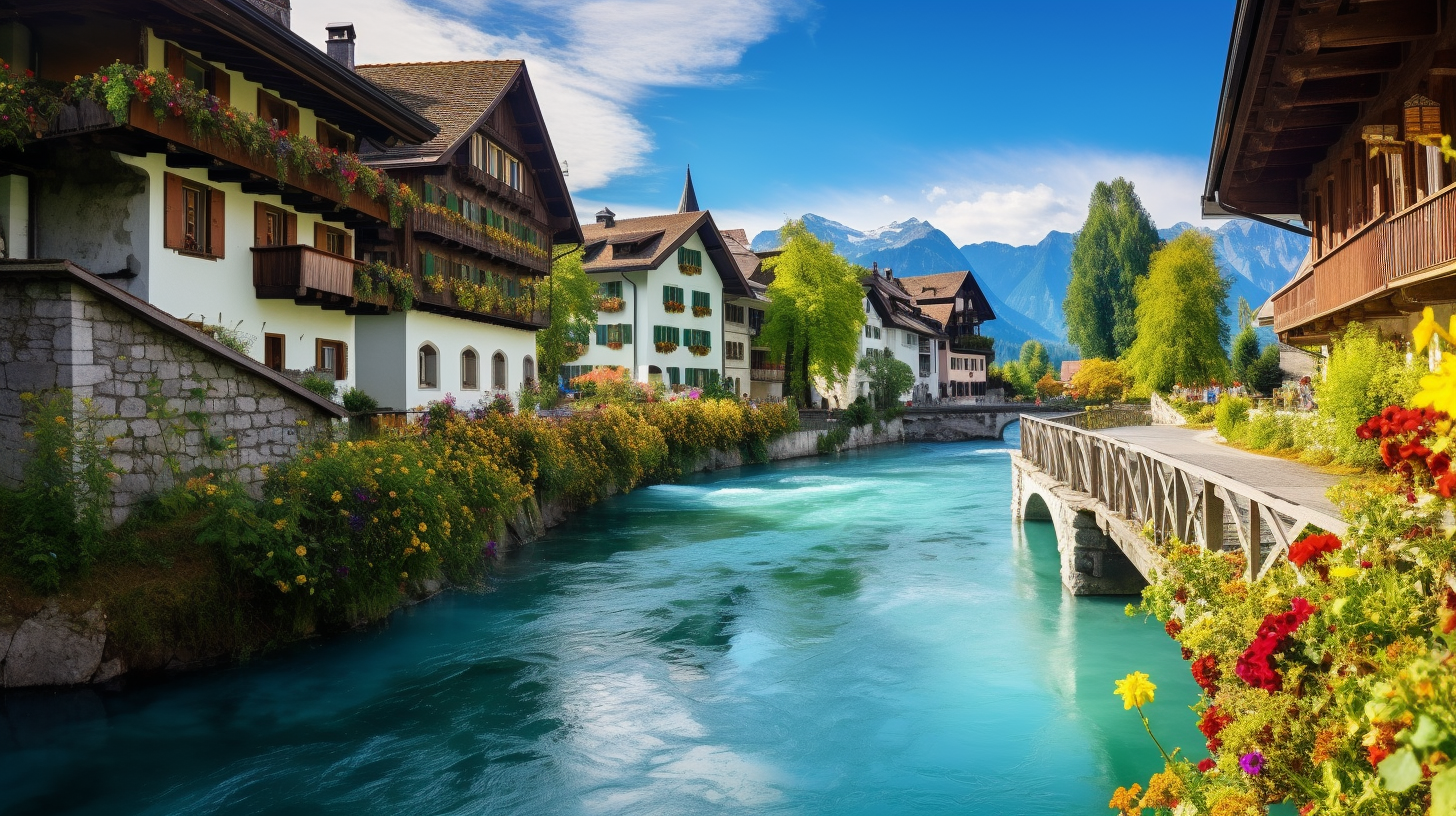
pixel 1373 24
pixel 1346 89
pixel 1318 116
pixel 1336 64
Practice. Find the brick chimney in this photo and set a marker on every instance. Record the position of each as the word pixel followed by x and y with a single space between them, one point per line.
pixel 607 218
pixel 280 10
pixel 889 273
pixel 341 43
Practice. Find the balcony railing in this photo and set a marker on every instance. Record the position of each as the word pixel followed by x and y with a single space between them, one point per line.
pixel 448 229
pixel 519 310
pixel 766 374
pixel 1379 256
pixel 494 186
pixel 88 116
pixel 300 272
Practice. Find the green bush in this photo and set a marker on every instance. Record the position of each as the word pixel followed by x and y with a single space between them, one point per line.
pixel 322 384
pixel 1365 373
pixel 1269 431
pixel 357 401
pixel 1230 415
pixel 858 413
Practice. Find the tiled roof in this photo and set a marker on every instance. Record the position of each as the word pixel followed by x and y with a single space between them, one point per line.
pixel 736 240
pixel 1069 370
pixel 944 285
pixel 939 311
pixel 453 95
pixel 675 229
pixel 741 236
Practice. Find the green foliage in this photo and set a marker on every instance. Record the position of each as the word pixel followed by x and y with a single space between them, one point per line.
pixel 56 522
pixel 833 439
pixel 888 378
pixel 1230 413
pixel 1182 312
pixel 1023 373
pixel 1099 381
pixel 815 312
pixel 1245 352
pixel 1111 254
pixel 571 304
pixel 1246 316
pixel 1364 374
pixel 322 384
pixel 858 413
pixel 357 401
pixel 1269 431
pixel 1048 387
pixel 1264 374
pixel 232 337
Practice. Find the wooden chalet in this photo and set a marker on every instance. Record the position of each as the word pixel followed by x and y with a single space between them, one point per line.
pixel 1332 114
pixel 496 197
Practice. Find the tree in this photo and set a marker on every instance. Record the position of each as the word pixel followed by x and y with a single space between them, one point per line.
pixel 888 378
pixel 815 312
pixel 1246 314
pixel 1023 373
pixel 1246 351
pixel 1048 386
pixel 571 305
pixel 1264 374
pixel 1110 256
pixel 1182 317
pixel 1099 381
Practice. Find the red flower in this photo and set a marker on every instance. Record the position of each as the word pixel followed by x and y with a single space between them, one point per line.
pixel 1206 764
pixel 1312 547
pixel 1211 723
pixel 1206 673
pixel 1173 627
pixel 1256 665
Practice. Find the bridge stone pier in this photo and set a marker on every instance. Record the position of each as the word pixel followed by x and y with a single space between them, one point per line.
pixel 1091 543
pixel 958 423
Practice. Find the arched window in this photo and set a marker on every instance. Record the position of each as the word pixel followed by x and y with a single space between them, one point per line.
pixel 469 370
pixel 429 367
pixel 528 371
pixel 498 372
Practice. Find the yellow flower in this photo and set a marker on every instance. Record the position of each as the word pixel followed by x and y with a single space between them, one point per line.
pixel 303 474
pixel 423 528
pixel 404 470
pixel 269 555
pixel 404 575
pixel 300 551
pixel 424 547
pixel 280 524
pixel 395 513
pixel 393 495
pixel 282 587
pixel 302 579
pixel 1135 690
pixel 1344 571
pixel 1164 790
pixel 337 497
pixel 1125 800
pixel 1438 389
pixel 278 501
pixel 60 420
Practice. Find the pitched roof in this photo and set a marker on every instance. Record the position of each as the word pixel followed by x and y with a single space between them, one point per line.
pixel 748 263
pixel 1069 370
pixel 453 95
pixel 648 241
pixel 946 286
pixel 895 307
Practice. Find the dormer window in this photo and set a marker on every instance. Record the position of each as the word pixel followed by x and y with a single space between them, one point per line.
pixel 495 161
pixel 331 138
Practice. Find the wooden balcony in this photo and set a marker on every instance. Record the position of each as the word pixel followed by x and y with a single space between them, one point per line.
pixel 1388 256
pixel 766 374
pixel 447 230
pixel 142 133
pixel 494 186
pixel 306 276
pixel 445 302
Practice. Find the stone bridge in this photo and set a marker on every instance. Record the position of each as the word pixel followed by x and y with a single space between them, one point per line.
pixel 1117 495
pixel 958 423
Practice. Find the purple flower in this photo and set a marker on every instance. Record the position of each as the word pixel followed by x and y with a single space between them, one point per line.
pixel 356 522
pixel 490 548
pixel 362 496
pixel 1252 763
pixel 341 571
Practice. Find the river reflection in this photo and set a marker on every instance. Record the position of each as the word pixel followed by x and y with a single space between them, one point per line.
pixel 861 635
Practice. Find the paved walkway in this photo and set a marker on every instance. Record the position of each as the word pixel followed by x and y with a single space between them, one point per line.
pixel 1291 481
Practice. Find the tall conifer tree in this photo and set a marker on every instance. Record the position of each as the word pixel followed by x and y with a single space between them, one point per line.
pixel 1110 256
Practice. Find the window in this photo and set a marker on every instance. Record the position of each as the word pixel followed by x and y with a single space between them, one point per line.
pixel 666 334
pixel 699 337
pixel 755 320
pixel 513 173
pixel 275 111
pixel 877 332
pixel 494 159
pixel 702 300
pixel 273 345
pixel 273 227
pixel 498 371
pixel 331 355
pixel 528 370
pixel 619 333
pixel 690 257
pixel 331 138
pixel 429 367
pixel 672 294
pixel 333 241
pixel 469 370
pixel 194 217
pixel 477 151
pixel 733 313
pixel 610 289
pixel 733 350
pixel 674 375
pixel 867 330
pixel 203 76
pixel 908 338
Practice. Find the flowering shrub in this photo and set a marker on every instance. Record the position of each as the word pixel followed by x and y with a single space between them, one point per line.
pixel 689 269
pixel 496 234
pixel 378 280
pixel 26 104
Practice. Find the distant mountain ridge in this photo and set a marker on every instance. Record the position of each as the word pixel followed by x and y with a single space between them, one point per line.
pixel 1027 284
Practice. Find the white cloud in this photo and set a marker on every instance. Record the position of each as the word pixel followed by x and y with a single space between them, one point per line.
pixel 884 199
pixel 935 192
pixel 590 62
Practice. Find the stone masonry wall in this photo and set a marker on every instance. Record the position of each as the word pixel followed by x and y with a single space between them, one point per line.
pixel 59 334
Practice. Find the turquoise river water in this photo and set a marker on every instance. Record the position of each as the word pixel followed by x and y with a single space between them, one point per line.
pixel 860 635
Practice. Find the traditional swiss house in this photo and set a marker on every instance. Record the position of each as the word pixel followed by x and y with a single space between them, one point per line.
pixel 894 327
pixel 480 248
pixel 956 301
pixel 662 283
pixel 745 358
pixel 200 227
pixel 1332 114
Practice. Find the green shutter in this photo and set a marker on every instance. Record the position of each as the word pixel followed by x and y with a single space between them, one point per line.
pixel 627 333
pixel 429 264
pixel 673 377
pixel 707 338
pixel 601 335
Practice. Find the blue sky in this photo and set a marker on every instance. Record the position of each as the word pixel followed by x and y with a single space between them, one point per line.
pixel 990 120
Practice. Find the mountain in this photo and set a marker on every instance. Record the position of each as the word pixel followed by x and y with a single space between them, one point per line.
pixel 1031 279
pixel 914 247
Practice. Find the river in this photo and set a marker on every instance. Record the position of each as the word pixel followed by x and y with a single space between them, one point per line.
pixel 866 635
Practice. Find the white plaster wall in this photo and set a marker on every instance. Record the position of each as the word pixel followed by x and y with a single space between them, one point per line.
pixel 451 336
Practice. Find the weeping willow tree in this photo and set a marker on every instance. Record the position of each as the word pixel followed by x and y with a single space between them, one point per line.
pixel 1182 317
pixel 815 312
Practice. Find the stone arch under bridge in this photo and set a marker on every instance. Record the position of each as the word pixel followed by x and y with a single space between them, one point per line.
pixel 956 423
pixel 1092 563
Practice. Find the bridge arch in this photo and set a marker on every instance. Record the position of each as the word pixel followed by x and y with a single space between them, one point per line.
pixel 1036 509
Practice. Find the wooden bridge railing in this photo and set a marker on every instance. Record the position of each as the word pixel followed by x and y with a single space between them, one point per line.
pixel 1174 497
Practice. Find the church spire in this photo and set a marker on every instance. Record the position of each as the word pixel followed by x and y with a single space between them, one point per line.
pixel 690 196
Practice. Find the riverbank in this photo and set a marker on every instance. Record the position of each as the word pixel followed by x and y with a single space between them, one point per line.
pixel 178 608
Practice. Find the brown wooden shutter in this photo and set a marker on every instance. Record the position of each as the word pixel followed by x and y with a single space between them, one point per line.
pixel 318 353
pixel 292 229
pixel 216 228
pixel 321 133
pixel 176 61
pixel 320 236
pixel 172 218
pixel 221 86
pixel 293 124
pixel 262 109
pixel 348 245
pixel 260 224
pixel 343 372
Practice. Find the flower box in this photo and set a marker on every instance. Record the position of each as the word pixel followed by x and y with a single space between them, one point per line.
pixel 700 351
pixel 665 347
pixel 611 304
pixel 673 307
pixel 702 311
pixel 689 269
pixel 614 345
